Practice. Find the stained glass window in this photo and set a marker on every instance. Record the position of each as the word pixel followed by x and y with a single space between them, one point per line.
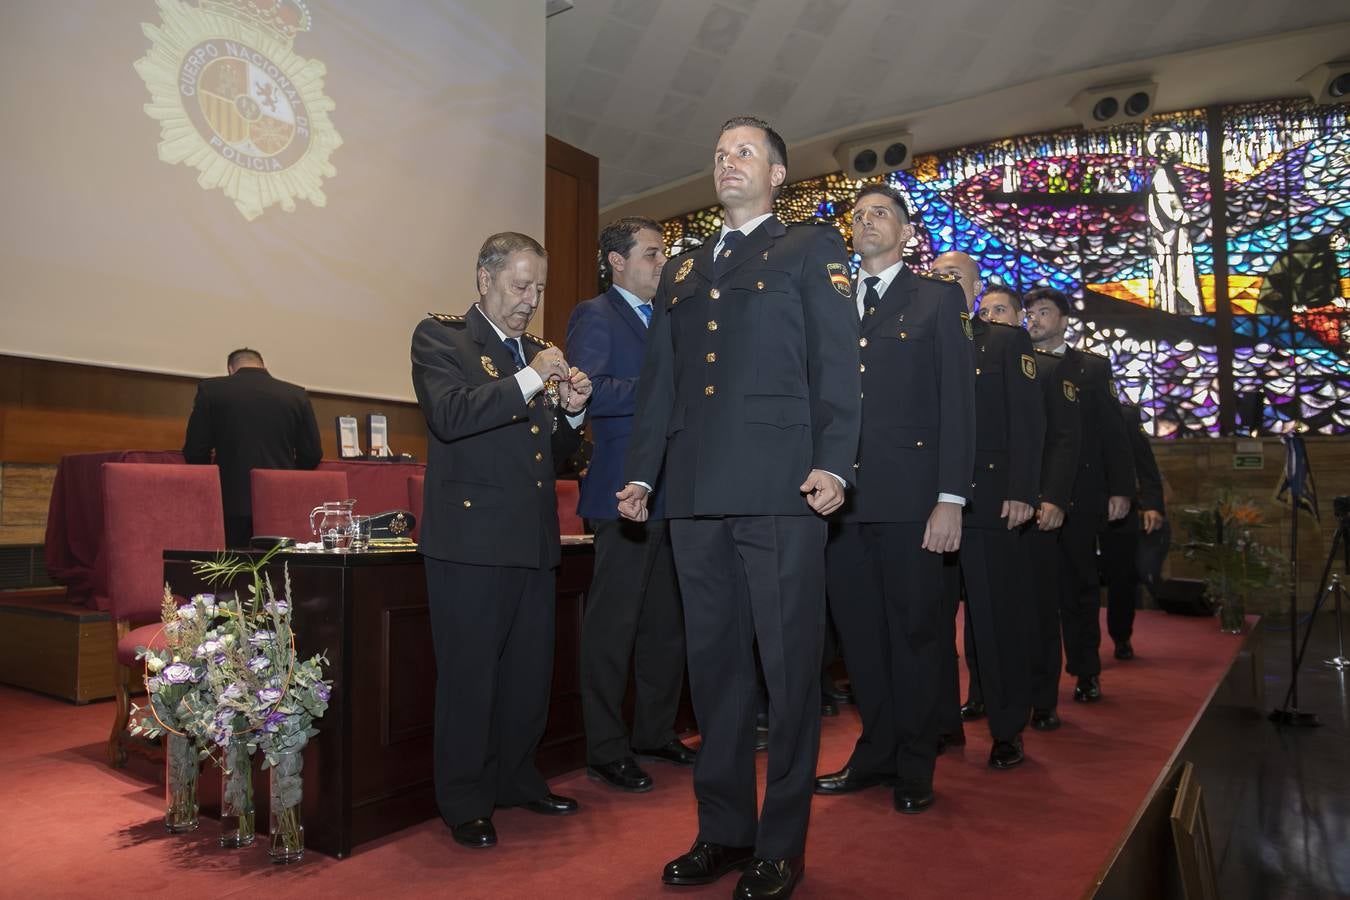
pixel 1120 220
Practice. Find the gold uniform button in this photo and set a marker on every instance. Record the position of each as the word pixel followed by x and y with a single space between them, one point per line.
pixel 531 404
pixel 674 300
pixel 862 342
pixel 534 429
pixel 538 456
pixel 712 325
pixel 468 503
pixel 759 285
pixel 857 465
pixel 903 335
pixel 711 357
pixel 709 390
pixel 871 310
pixel 977 370
pixel 991 465
pixel 862 367
pixel 714 293
pixel 538 484
pixel 918 443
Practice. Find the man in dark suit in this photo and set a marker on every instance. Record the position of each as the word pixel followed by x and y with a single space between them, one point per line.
pixel 885 557
pixel 1120 540
pixel 252 421
pixel 1102 487
pixel 1009 431
pixel 1059 465
pixel 633 608
pixel 749 400
pixel 490 535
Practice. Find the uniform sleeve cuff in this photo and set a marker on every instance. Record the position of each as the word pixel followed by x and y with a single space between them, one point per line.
pixel 952 498
pixel 531 383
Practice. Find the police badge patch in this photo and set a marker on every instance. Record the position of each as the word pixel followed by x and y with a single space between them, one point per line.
pixel 685 268
pixel 965 326
pixel 489 368
pixel 838 273
pixel 1070 392
pixel 1028 367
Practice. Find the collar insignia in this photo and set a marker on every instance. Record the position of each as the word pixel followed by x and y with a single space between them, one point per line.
pixel 685 268
pixel 965 326
pixel 489 368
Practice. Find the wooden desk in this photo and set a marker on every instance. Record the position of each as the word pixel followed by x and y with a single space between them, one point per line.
pixel 369 771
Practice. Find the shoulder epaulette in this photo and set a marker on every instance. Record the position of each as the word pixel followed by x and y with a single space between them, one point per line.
pixel 1002 325
pixel 938 276
pixel 813 221
pixel 538 340
pixel 1046 353
pixel 446 318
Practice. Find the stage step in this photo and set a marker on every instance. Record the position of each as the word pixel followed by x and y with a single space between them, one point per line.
pixel 56 647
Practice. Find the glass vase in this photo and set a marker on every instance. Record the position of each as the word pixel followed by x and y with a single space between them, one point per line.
pixel 236 796
pixel 286 826
pixel 180 784
pixel 1232 616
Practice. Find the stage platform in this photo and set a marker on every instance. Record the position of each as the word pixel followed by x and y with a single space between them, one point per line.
pixel 1049 829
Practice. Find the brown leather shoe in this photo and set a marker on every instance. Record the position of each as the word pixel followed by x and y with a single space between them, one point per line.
pixel 705 863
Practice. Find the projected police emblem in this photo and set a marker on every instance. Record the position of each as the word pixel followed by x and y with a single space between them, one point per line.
pixel 237 104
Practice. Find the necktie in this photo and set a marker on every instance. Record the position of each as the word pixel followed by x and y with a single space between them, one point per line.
pixel 728 248
pixel 870 297
pixel 645 310
pixel 513 345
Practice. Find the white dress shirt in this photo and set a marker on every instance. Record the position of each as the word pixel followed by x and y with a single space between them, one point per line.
pixel 634 301
pixel 745 229
pixel 530 381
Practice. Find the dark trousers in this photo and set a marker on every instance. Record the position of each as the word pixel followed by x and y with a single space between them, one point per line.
pixel 949 696
pixel 748 579
pixel 1080 599
pixel 238 531
pixel 632 610
pixel 994 574
pixel 1043 555
pixel 888 594
pixel 1120 545
pixel 492 627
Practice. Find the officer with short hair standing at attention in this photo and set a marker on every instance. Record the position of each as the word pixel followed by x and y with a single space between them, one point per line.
pixel 885 557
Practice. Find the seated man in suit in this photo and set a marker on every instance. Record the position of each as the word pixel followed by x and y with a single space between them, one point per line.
pixel 252 421
pixel 490 535
pixel 633 608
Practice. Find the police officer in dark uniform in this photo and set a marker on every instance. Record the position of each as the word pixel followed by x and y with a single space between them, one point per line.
pixel 1009 430
pixel 1040 542
pixel 1102 488
pixel 501 406
pixel 1119 541
pixel 885 558
pixel 749 398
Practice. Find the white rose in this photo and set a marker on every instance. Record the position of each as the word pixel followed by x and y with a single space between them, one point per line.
pixel 154 663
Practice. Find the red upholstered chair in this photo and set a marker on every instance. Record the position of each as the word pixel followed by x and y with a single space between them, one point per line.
pixel 149 508
pixel 416 484
pixel 568 520
pixel 283 498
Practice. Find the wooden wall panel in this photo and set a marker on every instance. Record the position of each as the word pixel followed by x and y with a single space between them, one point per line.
pixel 571 233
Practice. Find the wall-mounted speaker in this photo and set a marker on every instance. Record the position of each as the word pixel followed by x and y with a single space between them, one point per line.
pixel 872 156
pixel 1329 83
pixel 1114 104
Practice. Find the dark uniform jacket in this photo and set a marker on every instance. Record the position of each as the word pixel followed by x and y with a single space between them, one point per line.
pixel 1063 431
pixel 918 379
pixel 1150 495
pixel 1105 467
pixel 751 377
pixel 252 421
pixel 1009 424
pixel 489 497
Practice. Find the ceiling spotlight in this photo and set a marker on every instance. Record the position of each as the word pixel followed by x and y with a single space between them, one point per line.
pixel 867 157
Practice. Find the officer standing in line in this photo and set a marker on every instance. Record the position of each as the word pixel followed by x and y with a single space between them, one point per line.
pixel 885 557
pixel 501 405
pixel 749 400
pixel 1102 487
pixel 1059 465
pixel 1009 430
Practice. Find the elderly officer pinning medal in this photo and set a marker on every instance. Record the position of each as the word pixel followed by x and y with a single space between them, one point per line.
pixel 748 411
pixel 501 405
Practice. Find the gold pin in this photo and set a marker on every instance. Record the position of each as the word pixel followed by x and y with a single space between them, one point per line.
pixel 759 285
pixel 862 342
pixel 714 293
pixel 711 357
pixel 488 367
pixel 712 326
pixel 709 390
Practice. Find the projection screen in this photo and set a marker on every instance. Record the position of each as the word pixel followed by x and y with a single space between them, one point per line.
pixel 185 177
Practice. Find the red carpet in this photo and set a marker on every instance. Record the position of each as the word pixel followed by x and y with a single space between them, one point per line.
pixel 74 827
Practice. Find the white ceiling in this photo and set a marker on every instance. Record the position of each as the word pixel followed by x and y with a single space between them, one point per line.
pixel 645 84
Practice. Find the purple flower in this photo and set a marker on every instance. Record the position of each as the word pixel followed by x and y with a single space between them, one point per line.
pixel 262 637
pixel 322 691
pixel 273 722
pixel 258 663
pixel 218 659
pixel 269 695
pixel 153 684
pixel 232 691
pixel 187 611
pixel 279 607
pixel 177 673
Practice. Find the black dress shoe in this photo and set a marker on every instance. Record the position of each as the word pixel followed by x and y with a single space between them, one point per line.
pixel 847 781
pixel 913 796
pixel 1088 689
pixel 828 709
pixel 769 879
pixel 951 739
pixel 476 833
pixel 676 753
pixel 835 694
pixel 624 774
pixel 1124 650
pixel 1006 754
pixel 972 710
pixel 1045 720
pixel 761 740
pixel 705 863
pixel 552 805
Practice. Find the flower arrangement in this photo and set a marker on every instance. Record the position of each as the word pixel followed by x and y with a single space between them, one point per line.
pixel 229 679
pixel 1239 568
